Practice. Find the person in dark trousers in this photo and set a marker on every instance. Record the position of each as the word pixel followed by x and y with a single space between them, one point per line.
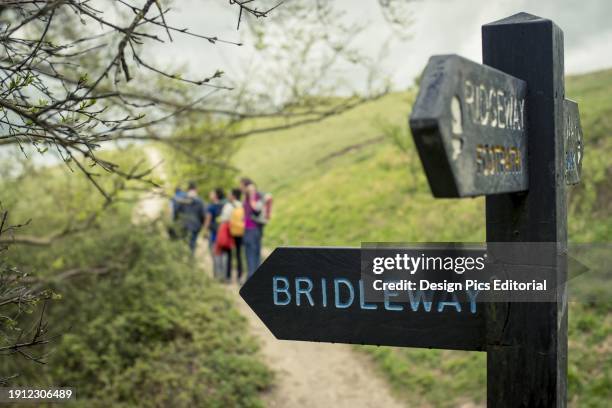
pixel 233 213
pixel 257 213
pixel 176 231
pixel 253 230
pixel 178 194
pixel 211 225
pixel 189 213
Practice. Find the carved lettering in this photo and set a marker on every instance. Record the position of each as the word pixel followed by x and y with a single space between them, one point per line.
pixel 492 107
pixel 497 159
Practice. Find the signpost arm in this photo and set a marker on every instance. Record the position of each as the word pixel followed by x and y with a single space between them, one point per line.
pixel 527 342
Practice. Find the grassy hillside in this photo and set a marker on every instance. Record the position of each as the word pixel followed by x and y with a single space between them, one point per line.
pixel 357 177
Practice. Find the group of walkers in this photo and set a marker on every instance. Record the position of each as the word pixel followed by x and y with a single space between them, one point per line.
pixel 231 223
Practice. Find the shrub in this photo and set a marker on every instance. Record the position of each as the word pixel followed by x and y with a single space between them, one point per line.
pixel 150 329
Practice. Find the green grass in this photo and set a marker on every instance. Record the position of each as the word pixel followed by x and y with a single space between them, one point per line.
pixel 334 186
pixel 282 159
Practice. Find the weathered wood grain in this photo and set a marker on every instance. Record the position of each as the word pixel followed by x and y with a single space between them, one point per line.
pixel 527 342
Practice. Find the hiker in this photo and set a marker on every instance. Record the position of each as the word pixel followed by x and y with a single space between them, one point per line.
pixel 189 214
pixel 257 211
pixel 211 225
pixel 233 215
pixel 178 194
pixel 212 213
pixel 174 229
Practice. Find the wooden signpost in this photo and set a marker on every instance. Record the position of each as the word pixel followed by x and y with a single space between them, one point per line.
pixel 527 342
pixel 503 130
pixel 468 124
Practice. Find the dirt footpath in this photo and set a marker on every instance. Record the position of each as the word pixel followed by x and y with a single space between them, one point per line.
pixel 317 374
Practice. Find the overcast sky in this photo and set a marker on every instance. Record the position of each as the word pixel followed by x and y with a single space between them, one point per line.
pixel 440 26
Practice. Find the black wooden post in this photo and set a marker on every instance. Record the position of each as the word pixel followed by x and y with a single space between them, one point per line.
pixel 527 342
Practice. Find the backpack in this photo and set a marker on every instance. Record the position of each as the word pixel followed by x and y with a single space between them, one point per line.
pixel 236 222
pixel 189 213
pixel 262 214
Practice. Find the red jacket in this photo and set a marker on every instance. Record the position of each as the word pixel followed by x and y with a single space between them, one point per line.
pixel 224 239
